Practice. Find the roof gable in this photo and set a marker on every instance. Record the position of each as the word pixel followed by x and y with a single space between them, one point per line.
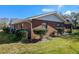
pixel 51 16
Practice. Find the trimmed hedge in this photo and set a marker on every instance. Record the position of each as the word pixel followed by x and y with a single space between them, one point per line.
pixel 40 31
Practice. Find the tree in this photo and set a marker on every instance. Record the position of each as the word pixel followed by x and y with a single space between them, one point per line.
pixel 75 17
pixel 3 22
pixel 69 26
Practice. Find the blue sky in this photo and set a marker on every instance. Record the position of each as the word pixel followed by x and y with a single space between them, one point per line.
pixel 24 11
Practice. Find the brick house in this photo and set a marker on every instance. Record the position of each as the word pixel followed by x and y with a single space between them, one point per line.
pixel 52 21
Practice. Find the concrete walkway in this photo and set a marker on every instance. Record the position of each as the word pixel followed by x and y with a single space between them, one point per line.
pixel 1 30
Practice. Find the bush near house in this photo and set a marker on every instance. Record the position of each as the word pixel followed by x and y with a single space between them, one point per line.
pixel 7 37
pixel 15 35
pixel 40 32
pixel 68 31
pixel 6 29
pixel 9 30
pixel 22 34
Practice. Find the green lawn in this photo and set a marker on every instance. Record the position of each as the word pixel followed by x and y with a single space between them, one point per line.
pixel 60 45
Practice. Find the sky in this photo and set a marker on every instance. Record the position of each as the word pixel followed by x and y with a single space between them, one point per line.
pixel 24 11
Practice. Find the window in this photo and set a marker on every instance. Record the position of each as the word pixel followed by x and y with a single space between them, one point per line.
pixel 58 24
pixel 44 25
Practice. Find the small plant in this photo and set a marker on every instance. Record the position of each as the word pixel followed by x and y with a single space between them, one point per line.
pixel 69 31
pixel 40 32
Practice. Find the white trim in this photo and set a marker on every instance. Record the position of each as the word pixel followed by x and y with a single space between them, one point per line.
pixel 41 15
pixel 46 14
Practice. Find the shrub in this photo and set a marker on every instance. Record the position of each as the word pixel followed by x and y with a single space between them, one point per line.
pixel 69 31
pixel 7 37
pixel 40 32
pixel 12 37
pixel 12 30
pixel 75 32
pixel 9 30
pixel 6 29
pixel 22 34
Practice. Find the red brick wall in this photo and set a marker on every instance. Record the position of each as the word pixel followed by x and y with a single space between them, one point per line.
pixel 22 25
pixel 50 26
pixel 36 23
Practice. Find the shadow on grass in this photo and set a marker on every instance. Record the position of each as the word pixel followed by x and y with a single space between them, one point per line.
pixel 35 40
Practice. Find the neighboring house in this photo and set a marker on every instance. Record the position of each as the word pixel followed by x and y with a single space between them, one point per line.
pixel 69 23
pixel 52 21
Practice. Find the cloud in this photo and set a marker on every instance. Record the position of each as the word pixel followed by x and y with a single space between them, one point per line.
pixel 47 10
pixel 68 12
pixel 50 9
pixel 60 6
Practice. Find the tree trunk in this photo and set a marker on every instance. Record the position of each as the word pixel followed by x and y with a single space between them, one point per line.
pixel 75 23
pixel 71 28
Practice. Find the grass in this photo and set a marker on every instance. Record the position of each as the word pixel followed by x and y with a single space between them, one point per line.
pixel 68 44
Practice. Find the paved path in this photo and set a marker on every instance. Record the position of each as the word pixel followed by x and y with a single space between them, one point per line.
pixel 1 30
